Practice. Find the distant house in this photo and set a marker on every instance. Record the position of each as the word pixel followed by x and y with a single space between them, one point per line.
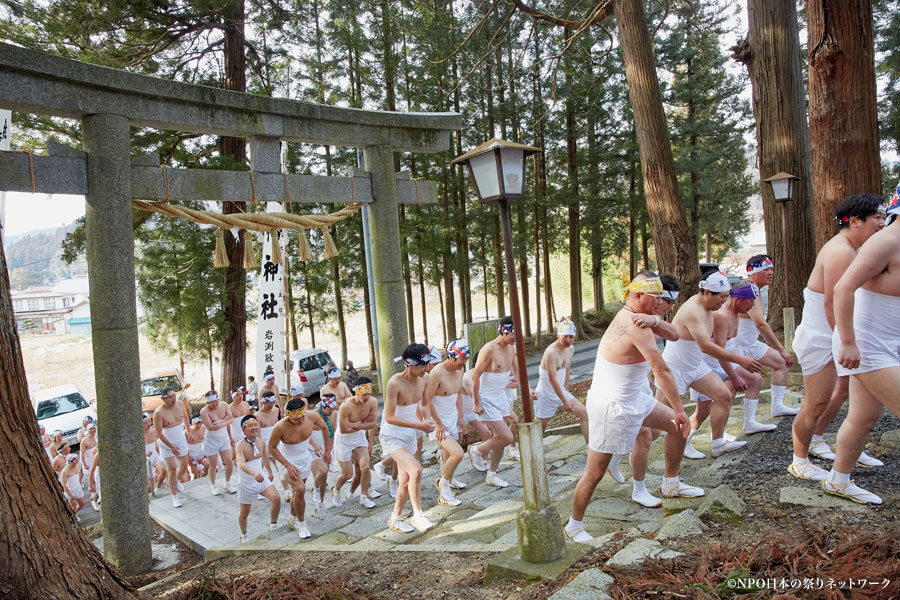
pixel 62 308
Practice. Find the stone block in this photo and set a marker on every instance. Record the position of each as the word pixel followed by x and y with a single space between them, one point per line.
pixel 815 498
pixel 680 525
pixel 671 506
pixel 890 439
pixel 509 565
pixel 590 584
pixel 612 506
pixel 640 549
pixel 722 505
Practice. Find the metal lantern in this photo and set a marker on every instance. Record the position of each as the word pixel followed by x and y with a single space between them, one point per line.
pixel 498 169
pixel 782 186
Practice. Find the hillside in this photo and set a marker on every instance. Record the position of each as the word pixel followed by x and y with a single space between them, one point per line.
pixel 35 258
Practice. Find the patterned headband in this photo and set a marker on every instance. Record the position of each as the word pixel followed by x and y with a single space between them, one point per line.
pixel 716 283
pixel 363 388
pixel 297 413
pixel 565 326
pixel 651 285
pixel 760 265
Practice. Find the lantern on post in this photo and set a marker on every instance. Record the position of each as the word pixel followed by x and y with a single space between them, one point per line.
pixel 782 186
pixel 498 169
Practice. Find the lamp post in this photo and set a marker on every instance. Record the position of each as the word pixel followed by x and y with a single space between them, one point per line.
pixel 782 186
pixel 498 169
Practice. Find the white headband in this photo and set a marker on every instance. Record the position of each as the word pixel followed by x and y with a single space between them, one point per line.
pixel 670 295
pixel 716 283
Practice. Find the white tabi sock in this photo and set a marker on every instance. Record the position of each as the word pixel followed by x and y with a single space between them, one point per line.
pixel 778 395
pixel 638 486
pixel 839 478
pixel 816 439
pixel 572 525
pixel 750 405
pixel 800 461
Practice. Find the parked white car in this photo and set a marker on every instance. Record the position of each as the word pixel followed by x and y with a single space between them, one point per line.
pixel 62 408
pixel 308 367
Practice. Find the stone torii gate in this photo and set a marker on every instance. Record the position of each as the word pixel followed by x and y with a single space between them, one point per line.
pixel 109 102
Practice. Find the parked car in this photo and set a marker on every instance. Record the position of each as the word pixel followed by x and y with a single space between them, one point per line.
pixel 153 384
pixel 308 368
pixel 62 408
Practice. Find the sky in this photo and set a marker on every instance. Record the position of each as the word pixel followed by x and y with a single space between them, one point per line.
pixel 26 212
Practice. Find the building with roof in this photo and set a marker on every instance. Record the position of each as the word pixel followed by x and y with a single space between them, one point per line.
pixel 62 308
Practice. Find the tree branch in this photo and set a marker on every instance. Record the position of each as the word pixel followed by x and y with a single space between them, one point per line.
pixel 600 12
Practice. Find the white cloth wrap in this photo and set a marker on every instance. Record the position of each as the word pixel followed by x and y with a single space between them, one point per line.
pixel 746 342
pixel 547 400
pixel 73 486
pixel 195 452
pixel 877 333
pixel 812 339
pixel 393 437
pixel 236 433
pixel 686 361
pixel 299 455
pixel 86 459
pixel 248 487
pixel 97 484
pixel 316 436
pixel 265 433
pixel 716 367
pixel 617 404
pixel 175 435
pixel 492 393
pixel 154 454
pixel 445 407
pixel 215 441
pixel 348 442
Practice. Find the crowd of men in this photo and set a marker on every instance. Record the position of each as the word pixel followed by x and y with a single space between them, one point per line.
pixel 711 347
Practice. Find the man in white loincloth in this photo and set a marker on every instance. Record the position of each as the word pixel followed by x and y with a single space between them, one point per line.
pixel 859 218
pixel 321 444
pixel 398 436
pixel 197 461
pixel 442 403
pixel 252 458
pixel 87 447
pixel 725 327
pixel 761 271
pixel 151 452
pixel 496 363
pixel 472 412
pixel 866 345
pixel 553 386
pixel 71 479
pixel 239 408
pixel 217 420
pixel 289 444
pixel 357 416
pixel 686 359
pixel 619 402
pixel 170 420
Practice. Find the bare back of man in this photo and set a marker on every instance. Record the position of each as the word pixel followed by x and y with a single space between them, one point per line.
pixel 868 346
pixel 825 390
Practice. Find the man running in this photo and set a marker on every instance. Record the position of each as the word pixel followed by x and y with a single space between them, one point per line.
pixel 342 393
pixel 321 444
pixel 170 420
pixel 151 451
pixel 859 218
pixel 94 481
pixel 619 402
pixel 46 441
pixel 239 408
pixel 195 435
pixel 87 420
pixel 398 436
pixel 217 420
pixel 252 458
pixel 87 447
pixel 725 327
pixel 865 346
pixel 270 386
pixel 496 363
pixel 289 444
pixel 761 272
pixel 442 402
pixel 357 416
pixel 71 478
pixel 685 357
pixel 553 386
pixel 472 412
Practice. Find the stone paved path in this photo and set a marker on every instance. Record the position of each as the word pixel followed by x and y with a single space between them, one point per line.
pixel 485 521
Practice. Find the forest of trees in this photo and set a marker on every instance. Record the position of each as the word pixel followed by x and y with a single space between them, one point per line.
pixel 513 70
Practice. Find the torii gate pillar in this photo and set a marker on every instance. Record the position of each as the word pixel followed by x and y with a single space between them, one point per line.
pixel 110 259
pixel 384 224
